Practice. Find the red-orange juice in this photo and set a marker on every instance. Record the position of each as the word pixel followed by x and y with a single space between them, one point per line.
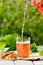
pixel 23 49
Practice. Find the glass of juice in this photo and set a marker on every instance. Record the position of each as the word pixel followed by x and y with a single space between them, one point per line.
pixel 23 48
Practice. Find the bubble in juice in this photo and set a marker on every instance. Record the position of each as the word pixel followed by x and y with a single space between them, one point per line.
pixel 23 49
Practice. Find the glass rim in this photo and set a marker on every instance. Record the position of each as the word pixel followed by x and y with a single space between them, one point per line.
pixel 23 42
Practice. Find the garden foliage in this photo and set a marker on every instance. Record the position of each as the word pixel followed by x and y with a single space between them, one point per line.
pixel 11 19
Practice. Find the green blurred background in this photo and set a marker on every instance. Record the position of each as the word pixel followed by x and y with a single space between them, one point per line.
pixel 11 19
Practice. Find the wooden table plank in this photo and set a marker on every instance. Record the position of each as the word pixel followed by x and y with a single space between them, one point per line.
pixel 38 62
pixel 22 62
pixel 5 62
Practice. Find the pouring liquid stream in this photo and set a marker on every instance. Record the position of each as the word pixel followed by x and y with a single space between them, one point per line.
pixel 25 9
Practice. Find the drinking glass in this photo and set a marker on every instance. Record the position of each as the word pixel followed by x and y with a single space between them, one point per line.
pixel 23 48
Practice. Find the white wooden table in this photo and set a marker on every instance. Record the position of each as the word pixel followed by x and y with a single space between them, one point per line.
pixel 21 62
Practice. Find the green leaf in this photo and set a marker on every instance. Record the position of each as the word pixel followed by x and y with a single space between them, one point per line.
pixel 34 47
pixel 2 45
pixel 41 53
pixel 12 44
